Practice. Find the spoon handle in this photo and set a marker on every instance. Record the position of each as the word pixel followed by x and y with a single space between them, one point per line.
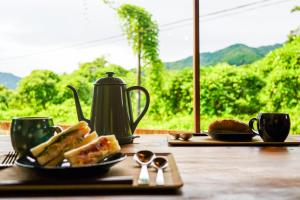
pixel 144 176
pixel 160 177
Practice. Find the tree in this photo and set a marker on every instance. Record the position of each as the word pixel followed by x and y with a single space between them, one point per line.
pixel 5 95
pixel 281 70
pixel 177 97
pixel 39 88
pixel 89 70
pixel 228 89
pixel 293 33
pixel 84 78
pixel 142 35
pixel 296 8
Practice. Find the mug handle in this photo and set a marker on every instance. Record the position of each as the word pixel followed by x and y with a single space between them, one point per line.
pixel 251 122
pixel 57 129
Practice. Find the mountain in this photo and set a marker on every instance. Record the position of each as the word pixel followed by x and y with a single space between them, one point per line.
pixel 237 54
pixel 9 80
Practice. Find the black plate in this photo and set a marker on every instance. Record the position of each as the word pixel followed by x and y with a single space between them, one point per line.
pixel 127 140
pixel 231 136
pixel 65 169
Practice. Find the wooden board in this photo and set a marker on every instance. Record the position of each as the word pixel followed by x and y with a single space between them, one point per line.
pixel 17 178
pixel 208 141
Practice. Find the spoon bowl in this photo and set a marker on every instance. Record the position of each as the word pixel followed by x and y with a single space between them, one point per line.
pixel 185 136
pixel 160 163
pixel 175 136
pixel 144 158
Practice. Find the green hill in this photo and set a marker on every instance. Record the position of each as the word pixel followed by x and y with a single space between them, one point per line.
pixel 237 54
pixel 9 80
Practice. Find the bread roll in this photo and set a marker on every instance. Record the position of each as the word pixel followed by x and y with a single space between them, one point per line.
pixel 229 125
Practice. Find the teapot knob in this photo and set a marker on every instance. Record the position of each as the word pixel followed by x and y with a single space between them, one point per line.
pixel 110 74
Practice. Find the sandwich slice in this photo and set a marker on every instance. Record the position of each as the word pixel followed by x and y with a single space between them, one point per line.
pixel 93 152
pixel 58 160
pixel 50 153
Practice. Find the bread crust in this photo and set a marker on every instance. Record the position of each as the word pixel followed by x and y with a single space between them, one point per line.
pixel 229 125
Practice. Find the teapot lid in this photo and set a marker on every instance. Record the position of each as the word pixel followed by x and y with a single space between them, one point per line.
pixel 109 80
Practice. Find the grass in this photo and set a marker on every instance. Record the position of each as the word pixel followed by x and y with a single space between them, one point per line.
pixel 181 122
pixel 185 122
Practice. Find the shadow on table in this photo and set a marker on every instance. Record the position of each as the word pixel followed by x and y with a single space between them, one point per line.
pixel 274 150
pixel 47 193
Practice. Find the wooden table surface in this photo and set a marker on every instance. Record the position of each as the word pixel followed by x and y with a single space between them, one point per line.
pixel 214 172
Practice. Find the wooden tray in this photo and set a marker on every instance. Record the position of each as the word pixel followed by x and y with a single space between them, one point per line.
pixel 208 141
pixel 17 178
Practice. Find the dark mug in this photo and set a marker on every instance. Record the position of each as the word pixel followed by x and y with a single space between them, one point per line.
pixel 272 127
pixel 28 132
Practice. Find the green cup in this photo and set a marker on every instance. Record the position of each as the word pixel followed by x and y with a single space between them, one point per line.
pixel 28 132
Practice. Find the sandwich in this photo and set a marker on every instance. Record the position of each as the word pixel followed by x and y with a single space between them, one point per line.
pixel 51 152
pixel 59 159
pixel 93 152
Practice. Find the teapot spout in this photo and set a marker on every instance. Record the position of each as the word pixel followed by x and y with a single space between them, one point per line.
pixel 78 106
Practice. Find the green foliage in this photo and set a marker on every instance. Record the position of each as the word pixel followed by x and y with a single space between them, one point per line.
pixel 90 70
pixel 178 95
pixel 281 70
pixel 65 113
pixel 39 88
pixel 141 31
pixel 227 89
pixel 142 34
pixel 5 96
pixel 82 85
pixel 237 54
pixel 154 83
pixel 282 90
pixel 295 32
pixel 83 79
pixel 181 121
pixel 286 58
pixel 296 8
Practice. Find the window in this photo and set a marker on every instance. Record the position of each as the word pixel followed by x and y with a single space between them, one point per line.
pixel 247 65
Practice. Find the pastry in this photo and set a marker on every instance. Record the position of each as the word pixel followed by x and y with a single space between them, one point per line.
pixel 228 125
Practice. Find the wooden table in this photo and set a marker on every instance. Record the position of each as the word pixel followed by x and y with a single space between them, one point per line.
pixel 216 172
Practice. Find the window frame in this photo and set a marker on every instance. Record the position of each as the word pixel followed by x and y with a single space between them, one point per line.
pixel 196 67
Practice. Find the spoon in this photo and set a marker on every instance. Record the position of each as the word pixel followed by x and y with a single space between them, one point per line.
pixel 186 136
pixel 144 158
pixel 175 135
pixel 160 163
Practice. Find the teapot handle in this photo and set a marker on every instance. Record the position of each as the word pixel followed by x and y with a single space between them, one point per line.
pixel 135 123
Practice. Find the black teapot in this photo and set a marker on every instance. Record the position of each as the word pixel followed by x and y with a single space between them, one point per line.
pixel 111 108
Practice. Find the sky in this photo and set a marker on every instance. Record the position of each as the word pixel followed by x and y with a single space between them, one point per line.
pixel 60 34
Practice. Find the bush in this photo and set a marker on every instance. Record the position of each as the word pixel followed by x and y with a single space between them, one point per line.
pixel 39 88
pixel 229 90
pixel 177 97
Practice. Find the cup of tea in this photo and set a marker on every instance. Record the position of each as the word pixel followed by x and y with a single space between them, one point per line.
pixel 27 132
pixel 272 127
